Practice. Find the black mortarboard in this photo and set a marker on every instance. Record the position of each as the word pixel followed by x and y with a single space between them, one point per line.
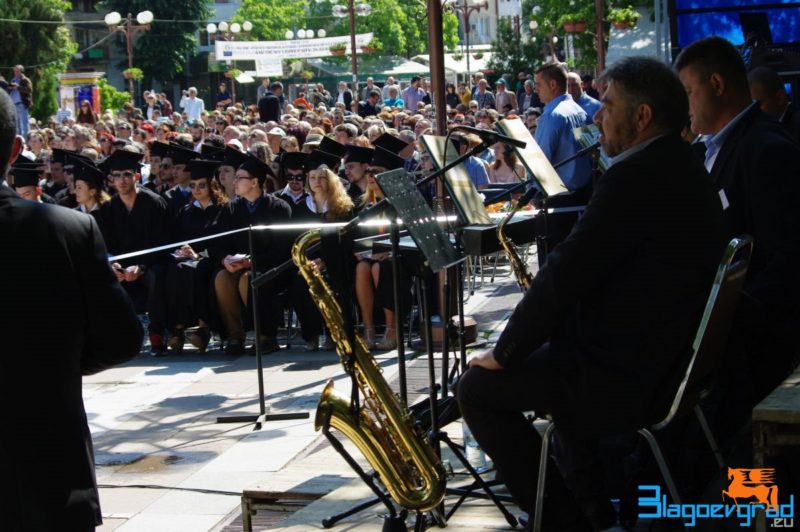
pixel 159 149
pixel 214 155
pixel 293 160
pixel 181 155
pixel 25 174
pixel 233 157
pixel 390 143
pixel 359 154
pixel 328 145
pixel 201 168
pixel 208 149
pixel 386 159
pixel 121 160
pixel 60 156
pixel 83 169
pixel 256 168
pixel 317 158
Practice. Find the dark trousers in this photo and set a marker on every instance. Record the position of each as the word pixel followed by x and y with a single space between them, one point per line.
pixel 304 307
pixel 189 294
pixel 150 287
pixel 493 405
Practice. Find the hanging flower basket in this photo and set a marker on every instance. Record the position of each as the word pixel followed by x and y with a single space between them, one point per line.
pixel 479 55
pixel 623 18
pixel 369 50
pixel 338 50
pixel 133 73
pixel 622 25
pixel 372 47
pixel 573 22
pixel 580 26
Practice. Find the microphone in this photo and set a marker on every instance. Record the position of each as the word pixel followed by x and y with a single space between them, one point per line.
pixel 578 154
pixel 491 137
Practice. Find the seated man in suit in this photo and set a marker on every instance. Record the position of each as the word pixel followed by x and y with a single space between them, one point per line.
pixel 600 338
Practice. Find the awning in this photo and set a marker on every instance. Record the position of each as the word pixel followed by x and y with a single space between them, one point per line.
pixel 372 65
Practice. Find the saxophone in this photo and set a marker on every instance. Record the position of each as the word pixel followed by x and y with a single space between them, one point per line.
pixel 521 272
pixel 384 431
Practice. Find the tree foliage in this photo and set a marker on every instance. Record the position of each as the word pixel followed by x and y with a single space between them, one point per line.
pixel 43 49
pixel 511 54
pixel 401 26
pixel 162 51
pixel 110 97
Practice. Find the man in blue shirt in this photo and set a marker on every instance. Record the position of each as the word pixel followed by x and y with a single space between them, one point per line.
pixel 554 128
pixel 586 102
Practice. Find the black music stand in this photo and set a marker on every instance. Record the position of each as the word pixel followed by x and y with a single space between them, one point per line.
pixel 255 282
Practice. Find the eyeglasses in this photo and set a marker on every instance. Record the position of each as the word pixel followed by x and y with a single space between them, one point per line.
pixel 122 175
pixel 166 166
pixel 294 177
pixel 199 186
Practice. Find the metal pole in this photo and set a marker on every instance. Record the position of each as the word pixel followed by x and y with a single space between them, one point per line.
pixel 129 42
pixel 466 40
pixel 601 51
pixel 436 50
pixel 351 10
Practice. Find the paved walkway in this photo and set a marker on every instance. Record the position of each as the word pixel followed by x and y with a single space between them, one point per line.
pixel 165 464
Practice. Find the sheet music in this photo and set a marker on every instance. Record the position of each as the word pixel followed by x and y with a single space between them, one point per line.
pixel 463 192
pixel 532 157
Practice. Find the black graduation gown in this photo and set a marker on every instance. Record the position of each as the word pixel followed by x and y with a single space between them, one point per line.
pixel 52 189
pixel 65 199
pixel 189 289
pixel 176 199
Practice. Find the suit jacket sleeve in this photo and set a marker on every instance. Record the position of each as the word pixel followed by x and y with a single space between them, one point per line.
pixel 114 333
pixel 582 261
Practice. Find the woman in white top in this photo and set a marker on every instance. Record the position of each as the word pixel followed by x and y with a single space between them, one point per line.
pixel 506 168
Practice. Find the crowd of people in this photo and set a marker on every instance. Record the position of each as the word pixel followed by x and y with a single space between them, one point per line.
pixel 596 340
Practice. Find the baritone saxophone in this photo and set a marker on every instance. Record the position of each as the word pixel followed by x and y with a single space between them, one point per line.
pixel 524 279
pixel 382 429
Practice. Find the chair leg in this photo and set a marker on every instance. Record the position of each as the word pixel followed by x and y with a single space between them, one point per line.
pixel 540 483
pixel 712 442
pixel 662 464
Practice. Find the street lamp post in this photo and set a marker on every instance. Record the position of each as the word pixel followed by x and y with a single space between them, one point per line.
pixel 351 11
pixel 130 29
pixel 228 32
pixel 304 34
pixel 466 8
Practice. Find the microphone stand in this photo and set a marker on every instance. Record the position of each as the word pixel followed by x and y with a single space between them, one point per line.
pixel 263 416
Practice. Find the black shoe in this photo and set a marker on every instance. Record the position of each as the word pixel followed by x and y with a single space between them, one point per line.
pixel 234 348
pixel 266 345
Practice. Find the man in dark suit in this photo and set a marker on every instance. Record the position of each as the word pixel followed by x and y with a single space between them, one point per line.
pixel 756 164
pixel 600 338
pixel 63 315
pixel 767 87
pixel 269 105
pixel 344 96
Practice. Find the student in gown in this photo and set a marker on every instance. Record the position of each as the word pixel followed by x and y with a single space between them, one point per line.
pixel 180 194
pixel 88 183
pixel 374 288
pixel 327 201
pixel 134 220
pixel 292 170
pixel 189 275
pixel 232 284
pixel 24 177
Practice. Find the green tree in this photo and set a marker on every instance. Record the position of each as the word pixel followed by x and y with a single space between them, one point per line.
pixel 271 18
pixel 510 54
pixel 162 51
pixel 110 97
pixel 44 49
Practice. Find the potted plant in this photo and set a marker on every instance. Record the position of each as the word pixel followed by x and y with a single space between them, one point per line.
pixel 338 49
pixel 233 73
pixel 477 55
pixel 458 56
pixel 133 73
pixel 373 46
pixel 623 17
pixel 573 22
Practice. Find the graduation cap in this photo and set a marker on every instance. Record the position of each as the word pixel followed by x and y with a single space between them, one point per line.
pixel 317 158
pixel 214 155
pixel 83 169
pixel 208 149
pixel 256 168
pixel 24 174
pixel 233 157
pixel 293 160
pixel 328 145
pixel 181 155
pixel 121 160
pixel 60 156
pixel 390 143
pixel 159 149
pixel 386 159
pixel 358 154
pixel 202 168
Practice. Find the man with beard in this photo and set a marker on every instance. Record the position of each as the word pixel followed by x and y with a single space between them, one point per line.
pixel 598 339
pixel 196 130
pixel 134 220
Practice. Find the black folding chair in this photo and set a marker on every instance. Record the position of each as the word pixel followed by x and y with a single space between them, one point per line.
pixel 707 350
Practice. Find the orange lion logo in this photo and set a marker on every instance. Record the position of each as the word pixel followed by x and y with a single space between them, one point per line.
pixel 752 483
